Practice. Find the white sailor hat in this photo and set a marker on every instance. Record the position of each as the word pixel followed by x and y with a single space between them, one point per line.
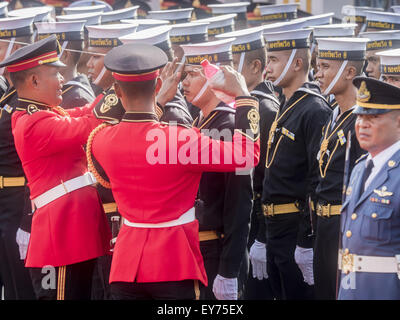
pixel 214 51
pixel 3 9
pixel 173 16
pixel 89 18
pixel 334 30
pixel 192 32
pixel 158 36
pixel 245 40
pixel 396 9
pixel 382 40
pixel 278 12
pixel 220 24
pixel 240 8
pixel 144 24
pixel 84 9
pixel 13 27
pixel 117 15
pixel 86 3
pixel 40 13
pixel 287 40
pixel 318 20
pixel 342 48
pixel 64 31
pixel 352 14
pixel 383 20
pixel 295 24
pixel 108 35
pixel 390 61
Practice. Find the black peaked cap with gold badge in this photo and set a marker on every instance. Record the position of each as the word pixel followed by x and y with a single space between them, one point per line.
pixel 135 62
pixel 43 52
pixel 375 97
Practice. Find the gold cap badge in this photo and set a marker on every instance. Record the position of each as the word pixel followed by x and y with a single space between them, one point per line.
pixel 363 95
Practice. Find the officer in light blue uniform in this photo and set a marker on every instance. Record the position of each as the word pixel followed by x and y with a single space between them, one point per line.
pixel 369 258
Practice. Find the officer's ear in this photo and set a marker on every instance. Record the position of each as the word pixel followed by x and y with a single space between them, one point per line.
pixel 33 80
pixel 158 85
pixel 256 66
pixel 117 89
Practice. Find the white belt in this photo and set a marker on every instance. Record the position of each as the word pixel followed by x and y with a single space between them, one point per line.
pixel 187 217
pixel 64 188
pixel 356 263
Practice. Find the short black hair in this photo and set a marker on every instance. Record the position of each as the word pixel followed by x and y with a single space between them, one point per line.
pixel 139 88
pixel 19 77
pixel 358 65
pixel 78 46
pixel 258 54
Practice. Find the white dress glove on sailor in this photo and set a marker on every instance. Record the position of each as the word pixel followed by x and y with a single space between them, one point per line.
pixel 304 259
pixel 258 258
pixel 22 239
pixel 225 288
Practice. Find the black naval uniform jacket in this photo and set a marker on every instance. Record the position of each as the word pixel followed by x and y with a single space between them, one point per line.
pixel 268 107
pixel 177 110
pixel 224 201
pixel 329 191
pixel 330 182
pixel 3 85
pixel 11 198
pixel 292 172
pixel 77 92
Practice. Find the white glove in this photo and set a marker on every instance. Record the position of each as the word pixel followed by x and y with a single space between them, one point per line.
pixel 22 239
pixel 225 288
pixel 304 259
pixel 258 258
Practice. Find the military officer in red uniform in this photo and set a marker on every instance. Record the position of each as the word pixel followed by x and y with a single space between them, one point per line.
pixel 157 254
pixel 69 228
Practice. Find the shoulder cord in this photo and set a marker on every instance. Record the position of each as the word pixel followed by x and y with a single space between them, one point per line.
pixel 273 129
pixel 324 146
pixel 61 111
pixel 89 159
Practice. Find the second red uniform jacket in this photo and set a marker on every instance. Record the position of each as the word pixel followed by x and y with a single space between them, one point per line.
pixel 151 191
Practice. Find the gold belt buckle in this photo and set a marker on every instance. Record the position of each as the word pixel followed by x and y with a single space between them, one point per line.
pixel 347 262
pixel 319 210
pixel 269 209
pixel 1 182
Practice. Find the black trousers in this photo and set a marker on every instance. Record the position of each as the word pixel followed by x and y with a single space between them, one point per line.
pixel 71 282
pixel 14 276
pixel 16 280
pixel 211 252
pixel 169 290
pixel 284 274
pixel 101 287
pixel 326 257
pixel 257 289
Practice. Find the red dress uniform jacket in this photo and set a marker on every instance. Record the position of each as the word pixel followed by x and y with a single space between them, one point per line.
pixel 72 228
pixel 151 191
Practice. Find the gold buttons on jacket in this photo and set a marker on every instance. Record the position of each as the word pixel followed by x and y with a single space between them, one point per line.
pixel 374 215
pixel 348 233
pixel 354 216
